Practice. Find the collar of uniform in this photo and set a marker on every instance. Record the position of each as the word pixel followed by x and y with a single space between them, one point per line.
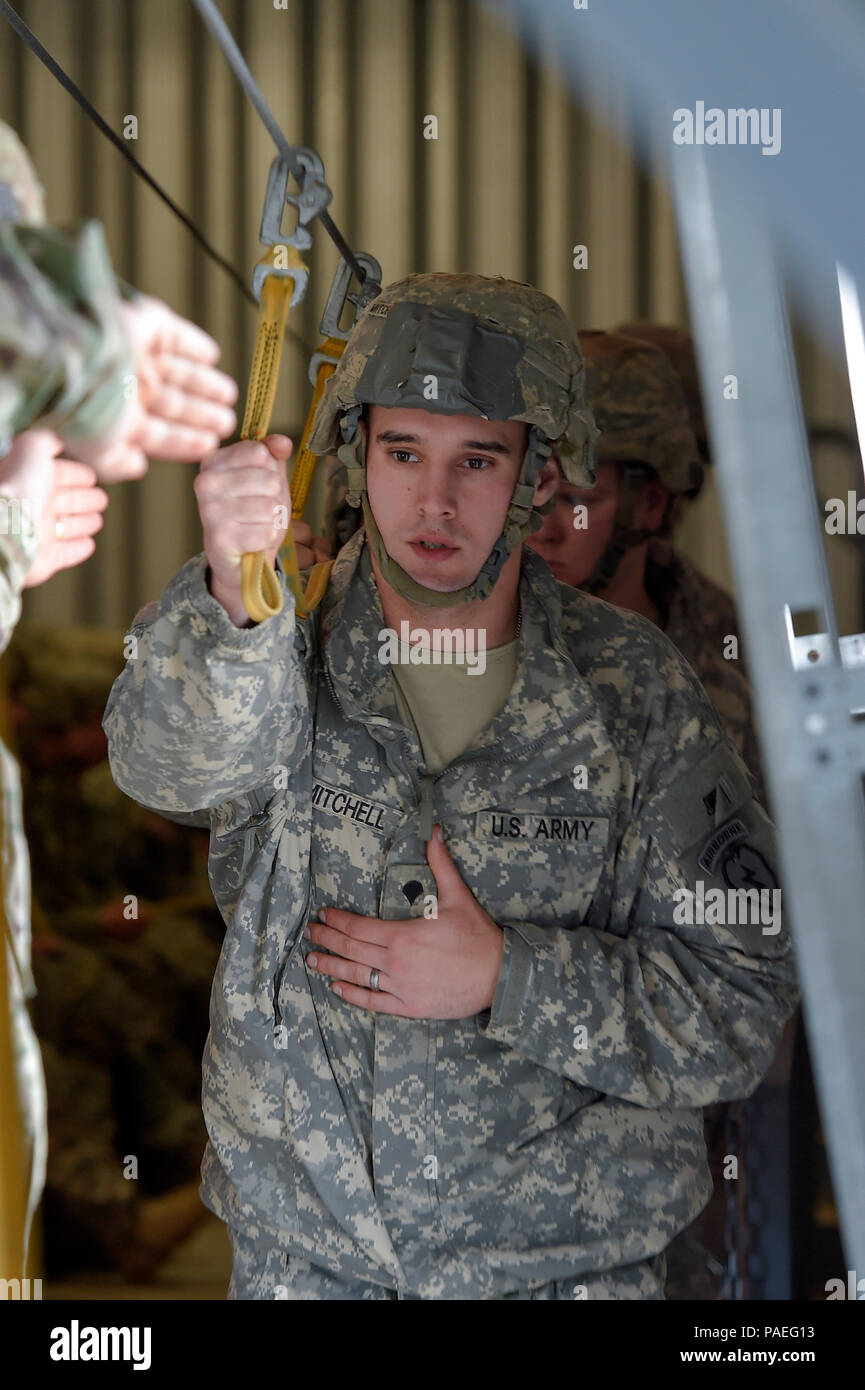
pixel 549 701
pixel 351 622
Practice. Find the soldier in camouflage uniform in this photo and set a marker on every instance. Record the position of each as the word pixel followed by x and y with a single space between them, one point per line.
pixel 471 1066
pixel 701 616
pixel 650 464
pixel 645 412
pixel 29 482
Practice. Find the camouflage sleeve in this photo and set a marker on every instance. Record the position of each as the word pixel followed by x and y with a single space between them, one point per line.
pixel 65 359
pixel 660 998
pixel 203 710
pixel 18 547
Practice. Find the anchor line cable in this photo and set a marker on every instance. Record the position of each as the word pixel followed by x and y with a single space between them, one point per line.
pixel 17 23
pixel 239 66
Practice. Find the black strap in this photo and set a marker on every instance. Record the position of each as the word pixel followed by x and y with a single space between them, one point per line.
pixel 239 66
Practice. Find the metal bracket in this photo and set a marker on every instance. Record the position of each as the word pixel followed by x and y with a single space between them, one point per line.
pixel 338 297
pixel 311 199
pixel 809 684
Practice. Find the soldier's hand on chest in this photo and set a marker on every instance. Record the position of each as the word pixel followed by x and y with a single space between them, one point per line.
pixel 446 966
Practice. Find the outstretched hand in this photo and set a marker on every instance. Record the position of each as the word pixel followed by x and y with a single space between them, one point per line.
pixel 59 496
pixel 179 404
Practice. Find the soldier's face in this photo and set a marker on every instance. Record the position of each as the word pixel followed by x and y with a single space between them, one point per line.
pixel 570 548
pixel 439 488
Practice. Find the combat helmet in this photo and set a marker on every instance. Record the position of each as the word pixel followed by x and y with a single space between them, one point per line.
pixel 462 344
pixel 22 198
pixel 678 346
pixel 638 404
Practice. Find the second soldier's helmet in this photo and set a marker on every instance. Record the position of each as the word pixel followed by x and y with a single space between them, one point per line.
pixel 678 346
pixel 463 345
pixel 640 408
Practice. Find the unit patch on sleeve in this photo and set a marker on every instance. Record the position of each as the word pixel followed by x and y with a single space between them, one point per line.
pixel 728 852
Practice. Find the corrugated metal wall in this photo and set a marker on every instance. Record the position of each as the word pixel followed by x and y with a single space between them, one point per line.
pixel 519 174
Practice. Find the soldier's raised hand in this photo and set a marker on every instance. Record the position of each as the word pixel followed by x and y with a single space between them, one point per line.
pixel 245 505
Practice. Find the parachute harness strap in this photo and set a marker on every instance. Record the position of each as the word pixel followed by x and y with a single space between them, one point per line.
pixel 280 280
pixel 262 595
pixel 321 368
pixel 625 534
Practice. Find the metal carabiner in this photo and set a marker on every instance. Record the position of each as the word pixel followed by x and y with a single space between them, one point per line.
pixel 313 196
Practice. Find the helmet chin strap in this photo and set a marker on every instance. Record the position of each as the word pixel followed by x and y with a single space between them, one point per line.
pixel 520 520
pixel 624 536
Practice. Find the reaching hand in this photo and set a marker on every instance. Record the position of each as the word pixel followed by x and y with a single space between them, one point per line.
pixel 180 404
pixel 61 498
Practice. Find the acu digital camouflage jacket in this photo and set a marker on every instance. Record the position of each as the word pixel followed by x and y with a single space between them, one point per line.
pixel 561 1130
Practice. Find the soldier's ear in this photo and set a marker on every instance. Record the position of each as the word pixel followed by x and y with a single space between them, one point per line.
pixel 546 481
pixel 650 509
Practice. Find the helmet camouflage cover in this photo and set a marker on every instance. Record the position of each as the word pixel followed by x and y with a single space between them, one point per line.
pixel 463 344
pixel 639 407
pixel 678 345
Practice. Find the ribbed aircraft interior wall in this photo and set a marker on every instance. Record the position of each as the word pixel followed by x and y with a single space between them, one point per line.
pixel 519 174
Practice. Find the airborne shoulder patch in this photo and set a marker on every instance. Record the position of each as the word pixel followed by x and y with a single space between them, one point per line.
pixel 728 853
pixel 719 840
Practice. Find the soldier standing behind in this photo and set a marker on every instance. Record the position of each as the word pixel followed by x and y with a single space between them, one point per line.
pixel 617 542
pixel 616 539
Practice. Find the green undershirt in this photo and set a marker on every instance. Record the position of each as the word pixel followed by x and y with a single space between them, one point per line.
pixel 447 706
